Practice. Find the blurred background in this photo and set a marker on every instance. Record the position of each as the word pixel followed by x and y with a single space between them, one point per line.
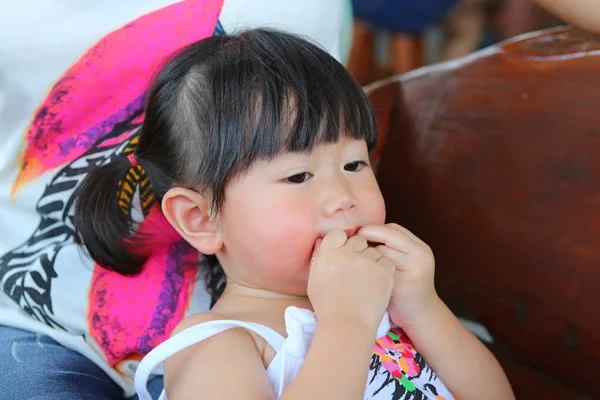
pixel 392 37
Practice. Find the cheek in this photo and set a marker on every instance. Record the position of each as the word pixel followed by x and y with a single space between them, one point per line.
pixel 287 233
pixel 374 205
pixel 273 234
pixel 378 211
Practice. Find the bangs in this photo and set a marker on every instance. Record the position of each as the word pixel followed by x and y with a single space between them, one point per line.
pixel 290 98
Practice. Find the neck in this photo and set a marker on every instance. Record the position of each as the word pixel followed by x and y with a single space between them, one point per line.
pixel 266 307
pixel 241 290
pixel 239 297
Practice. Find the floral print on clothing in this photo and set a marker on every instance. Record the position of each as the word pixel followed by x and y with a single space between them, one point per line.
pixel 397 356
pixel 399 372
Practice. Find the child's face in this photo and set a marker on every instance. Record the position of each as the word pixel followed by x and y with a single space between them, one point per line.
pixel 272 216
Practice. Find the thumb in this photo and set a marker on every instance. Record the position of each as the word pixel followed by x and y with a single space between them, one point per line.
pixel 334 239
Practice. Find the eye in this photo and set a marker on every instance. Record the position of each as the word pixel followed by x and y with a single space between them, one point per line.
pixel 355 166
pixel 298 178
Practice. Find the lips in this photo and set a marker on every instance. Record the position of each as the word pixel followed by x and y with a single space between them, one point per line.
pixel 351 231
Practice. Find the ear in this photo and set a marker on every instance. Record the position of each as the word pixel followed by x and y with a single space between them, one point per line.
pixel 188 212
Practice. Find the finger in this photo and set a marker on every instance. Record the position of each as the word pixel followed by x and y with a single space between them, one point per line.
pixel 387 263
pixel 357 244
pixel 406 231
pixel 372 254
pixel 334 240
pixel 399 259
pixel 391 237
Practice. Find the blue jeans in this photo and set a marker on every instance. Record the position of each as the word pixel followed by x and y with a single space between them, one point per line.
pixel 35 367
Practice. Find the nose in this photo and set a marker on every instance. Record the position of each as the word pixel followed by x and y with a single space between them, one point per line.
pixel 338 198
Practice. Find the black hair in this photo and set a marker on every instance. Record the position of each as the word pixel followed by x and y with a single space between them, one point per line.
pixel 215 107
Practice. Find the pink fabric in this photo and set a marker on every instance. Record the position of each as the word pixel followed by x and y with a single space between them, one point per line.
pixel 104 87
pixel 129 316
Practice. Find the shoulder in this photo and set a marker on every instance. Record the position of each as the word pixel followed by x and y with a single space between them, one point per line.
pixel 196 319
pixel 207 365
pixel 239 335
pixel 232 337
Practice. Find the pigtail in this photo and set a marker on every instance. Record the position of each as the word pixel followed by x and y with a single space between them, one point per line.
pixel 102 217
pixel 214 276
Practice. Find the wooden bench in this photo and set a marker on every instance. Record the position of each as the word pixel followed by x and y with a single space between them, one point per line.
pixel 494 161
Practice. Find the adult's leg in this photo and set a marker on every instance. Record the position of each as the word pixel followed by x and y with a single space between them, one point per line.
pixel 35 367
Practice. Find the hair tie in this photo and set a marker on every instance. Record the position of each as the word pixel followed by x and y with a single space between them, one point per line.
pixel 132 160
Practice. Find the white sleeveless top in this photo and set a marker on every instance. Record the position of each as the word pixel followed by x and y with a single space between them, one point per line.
pixel 397 370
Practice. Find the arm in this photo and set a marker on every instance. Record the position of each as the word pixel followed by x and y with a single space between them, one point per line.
pixel 584 14
pixel 225 366
pixel 461 361
pixel 228 366
pixel 319 379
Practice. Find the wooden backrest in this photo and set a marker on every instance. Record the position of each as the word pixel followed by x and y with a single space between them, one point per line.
pixel 494 160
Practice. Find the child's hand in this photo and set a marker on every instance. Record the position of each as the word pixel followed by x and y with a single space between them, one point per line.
pixel 414 290
pixel 349 281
